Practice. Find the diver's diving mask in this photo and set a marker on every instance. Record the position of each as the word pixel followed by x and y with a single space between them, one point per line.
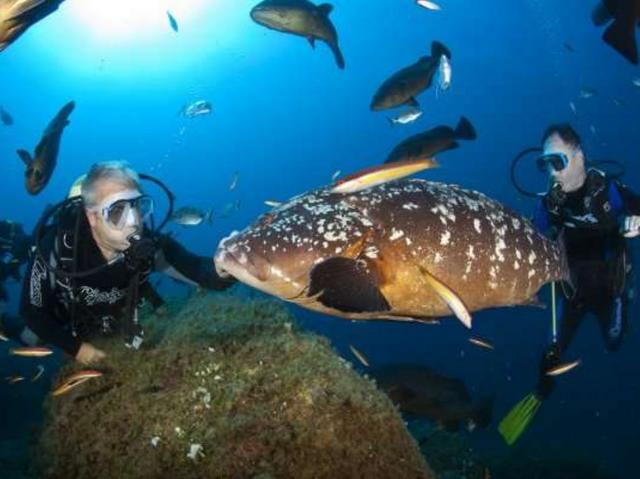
pixel 127 208
pixel 556 161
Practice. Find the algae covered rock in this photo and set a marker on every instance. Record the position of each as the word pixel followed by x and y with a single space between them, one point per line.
pixel 226 387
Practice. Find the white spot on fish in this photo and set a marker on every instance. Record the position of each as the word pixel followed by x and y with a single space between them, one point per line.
pixel 500 245
pixel 396 234
pixel 438 258
pixel 532 257
pixel 532 273
pixel 410 206
pixel 516 265
pixel 470 253
pixel 476 225
pixel 445 238
pixel 518 254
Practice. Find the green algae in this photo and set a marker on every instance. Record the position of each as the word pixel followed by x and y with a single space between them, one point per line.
pixel 226 387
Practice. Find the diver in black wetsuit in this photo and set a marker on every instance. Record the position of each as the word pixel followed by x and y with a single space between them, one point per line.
pixel 105 237
pixel 14 252
pixel 594 215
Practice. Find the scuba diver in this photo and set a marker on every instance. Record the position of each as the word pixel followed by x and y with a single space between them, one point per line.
pixel 592 214
pixel 92 264
pixel 14 252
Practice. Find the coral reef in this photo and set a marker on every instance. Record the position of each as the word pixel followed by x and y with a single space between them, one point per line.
pixel 225 387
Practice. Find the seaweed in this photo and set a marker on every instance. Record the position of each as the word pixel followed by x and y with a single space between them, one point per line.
pixel 225 387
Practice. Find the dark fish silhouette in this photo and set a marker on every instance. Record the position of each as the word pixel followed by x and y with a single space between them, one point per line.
pixel 419 390
pixel 621 33
pixel 403 86
pixel 300 17
pixel 432 142
pixel 41 166
pixel 5 117
pixel 16 16
pixel 172 21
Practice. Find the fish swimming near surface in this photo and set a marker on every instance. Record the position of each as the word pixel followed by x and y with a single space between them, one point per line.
pixel 432 142
pixel 586 93
pixel 190 216
pixel 421 391
pixel 5 117
pixel 302 18
pixel 172 21
pixel 624 16
pixel 16 16
pixel 407 250
pixel 197 108
pixel 404 86
pixel 40 167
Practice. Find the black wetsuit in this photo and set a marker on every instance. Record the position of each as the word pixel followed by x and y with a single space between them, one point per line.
pixel 64 312
pixel 589 220
pixel 14 252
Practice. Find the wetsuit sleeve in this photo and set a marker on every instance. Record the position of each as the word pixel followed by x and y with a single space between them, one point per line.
pixel 37 308
pixel 628 201
pixel 541 217
pixel 199 269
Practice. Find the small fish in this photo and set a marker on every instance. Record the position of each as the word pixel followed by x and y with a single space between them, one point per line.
pixel 563 368
pixel 593 129
pixel 569 47
pixel 172 21
pixel 5 117
pixel 234 181
pixel 38 374
pixel 3 337
pixel 380 174
pixel 14 379
pixel 428 5
pixel 444 73
pixel 358 354
pixel 75 380
pixel 404 118
pixel 482 343
pixel 617 102
pixel 636 82
pixel 230 208
pixel 273 203
pixel 586 93
pixel 452 300
pixel 335 175
pixel 31 352
pixel 190 216
pixel 197 108
pixel 573 108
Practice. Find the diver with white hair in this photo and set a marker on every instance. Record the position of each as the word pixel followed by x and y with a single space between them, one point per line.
pixel 92 263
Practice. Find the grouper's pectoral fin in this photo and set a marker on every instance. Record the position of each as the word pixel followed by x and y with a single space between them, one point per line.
pixel 25 156
pixel 347 285
pixel 448 296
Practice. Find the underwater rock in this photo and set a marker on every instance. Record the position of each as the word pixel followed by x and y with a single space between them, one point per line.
pixel 226 387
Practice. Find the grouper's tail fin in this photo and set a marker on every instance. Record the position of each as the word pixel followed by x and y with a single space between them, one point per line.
pixel 465 130
pixel 565 270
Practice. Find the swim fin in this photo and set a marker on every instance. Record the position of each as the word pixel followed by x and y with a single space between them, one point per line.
pixel 514 423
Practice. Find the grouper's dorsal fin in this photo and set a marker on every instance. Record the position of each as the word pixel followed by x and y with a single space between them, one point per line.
pixel 25 156
pixel 325 9
pixel 447 295
pixel 347 285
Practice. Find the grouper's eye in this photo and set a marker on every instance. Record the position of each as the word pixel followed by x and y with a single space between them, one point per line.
pixel 265 219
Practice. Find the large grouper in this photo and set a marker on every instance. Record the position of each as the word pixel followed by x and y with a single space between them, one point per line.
pixel 409 249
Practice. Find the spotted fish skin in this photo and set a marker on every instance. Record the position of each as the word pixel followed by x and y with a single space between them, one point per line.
pixel 487 254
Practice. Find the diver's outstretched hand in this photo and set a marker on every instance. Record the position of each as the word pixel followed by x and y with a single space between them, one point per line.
pixel 89 354
pixel 631 227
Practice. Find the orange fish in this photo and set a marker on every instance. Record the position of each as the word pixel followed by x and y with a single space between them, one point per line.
pixel 75 380
pixel 31 352
pixel 379 174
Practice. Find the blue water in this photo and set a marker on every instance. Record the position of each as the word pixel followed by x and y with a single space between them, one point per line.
pixel 286 118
